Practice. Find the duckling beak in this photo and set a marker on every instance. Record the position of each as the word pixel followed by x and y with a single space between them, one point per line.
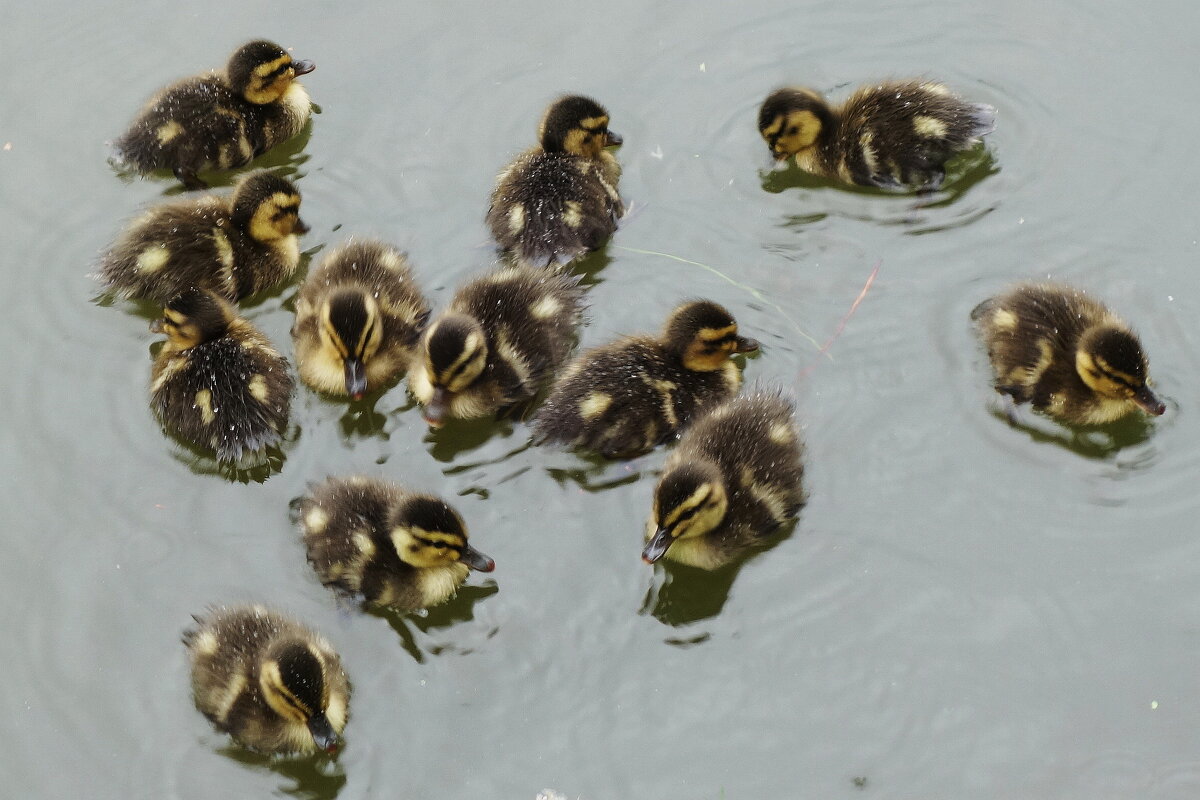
pixel 356 378
pixel 301 226
pixel 156 325
pixel 614 139
pixel 322 733
pixel 1147 402
pixel 476 560
pixel 746 345
pixel 438 408
pixel 657 546
pixel 303 67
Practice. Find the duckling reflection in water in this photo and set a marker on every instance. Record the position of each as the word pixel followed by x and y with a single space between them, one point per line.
pixel 1065 354
pixel 268 681
pixel 219 121
pixel 893 135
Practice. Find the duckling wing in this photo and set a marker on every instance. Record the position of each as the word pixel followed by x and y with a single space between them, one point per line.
pixel 193 125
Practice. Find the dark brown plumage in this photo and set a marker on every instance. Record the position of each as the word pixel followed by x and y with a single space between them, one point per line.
pixel 385 544
pixel 267 680
pixel 625 398
pixel 219 121
pixel 217 383
pixel 1064 353
pixel 503 335
pixel 891 135
pixel 235 246
pixel 559 200
pixel 733 480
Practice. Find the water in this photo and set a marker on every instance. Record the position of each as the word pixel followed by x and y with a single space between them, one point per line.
pixel 963 610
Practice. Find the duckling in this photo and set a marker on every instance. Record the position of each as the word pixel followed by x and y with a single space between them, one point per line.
pixel 267 680
pixel 392 547
pixel 734 478
pixel 1065 353
pixel 358 319
pixel 623 399
pixel 559 200
pixel 215 121
pixel 896 134
pixel 493 348
pixel 235 246
pixel 217 382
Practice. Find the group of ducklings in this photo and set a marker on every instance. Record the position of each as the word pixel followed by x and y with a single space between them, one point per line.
pixel 362 322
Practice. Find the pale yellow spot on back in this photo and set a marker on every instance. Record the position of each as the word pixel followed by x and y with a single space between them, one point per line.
pixel 1004 319
pixel 258 388
pixel 573 216
pixel 545 308
pixel 390 260
pixel 781 433
pixel 929 127
pixel 516 219
pixel 594 405
pixel 868 151
pixel 665 390
pixel 168 131
pixel 228 696
pixel 769 496
pixel 362 541
pixel 316 520
pixel 203 402
pixel 935 88
pixel 153 258
pixel 205 643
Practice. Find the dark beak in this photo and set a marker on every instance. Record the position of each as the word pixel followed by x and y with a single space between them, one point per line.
pixel 303 67
pixel 614 140
pixel 156 325
pixel 657 546
pixel 356 378
pixel 745 345
pixel 1148 402
pixel 476 560
pixel 322 733
pixel 438 408
pixel 301 226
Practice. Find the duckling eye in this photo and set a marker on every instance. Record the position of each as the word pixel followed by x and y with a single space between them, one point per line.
pixel 793 130
pixel 440 545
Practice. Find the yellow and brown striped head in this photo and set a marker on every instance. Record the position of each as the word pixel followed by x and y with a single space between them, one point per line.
pixel 267 207
pixel 294 682
pixel 1110 361
pixel 792 120
pixel 703 335
pixel 576 125
pixel 454 355
pixel 193 317
pixel 427 533
pixel 261 71
pixel 350 326
pixel 690 500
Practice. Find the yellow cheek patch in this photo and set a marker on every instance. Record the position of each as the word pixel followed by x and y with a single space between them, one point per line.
pixel 152 258
pixel 316 520
pixel 929 127
pixel 574 141
pixel 203 402
pixel 168 131
pixel 594 405
pixel 1004 320
pixel 807 125
pixel 258 388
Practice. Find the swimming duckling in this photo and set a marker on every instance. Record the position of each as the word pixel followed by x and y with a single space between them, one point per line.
pixel 216 121
pixel 493 348
pixel 623 399
pixel 358 319
pixel 267 680
pixel 893 135
pixel 235 246
pixel 559 200
pixel 1064 353
pixel 217 382
pixel 393 547
pixel 734 478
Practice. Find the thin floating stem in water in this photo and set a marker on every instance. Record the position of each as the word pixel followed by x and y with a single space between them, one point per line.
pixel 846 318
pixel 749 289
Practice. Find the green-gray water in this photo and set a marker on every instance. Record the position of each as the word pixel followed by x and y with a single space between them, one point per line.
pixel 964 609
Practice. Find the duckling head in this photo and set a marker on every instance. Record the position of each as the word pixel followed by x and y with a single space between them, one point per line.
pixel 427 533
pixel 704 335
pixel 292 677
pixel 267 206
pixel 193 317
pixel 351 328
pixel 576 125
pixel 262 71
pixel 792 120
pixel 1109 359
pixel 456 352
pixel 690 500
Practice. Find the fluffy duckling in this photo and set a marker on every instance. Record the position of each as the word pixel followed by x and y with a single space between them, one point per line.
pixel 493 348
pixel 623 399
pixel 734 478
pixel 235 246
pixel 358 319
pixel 216 121
pixel 1064 353
pixel 559 200
pixel 267 680
pixel 896 134
pixel 390 546
pixel 217 383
